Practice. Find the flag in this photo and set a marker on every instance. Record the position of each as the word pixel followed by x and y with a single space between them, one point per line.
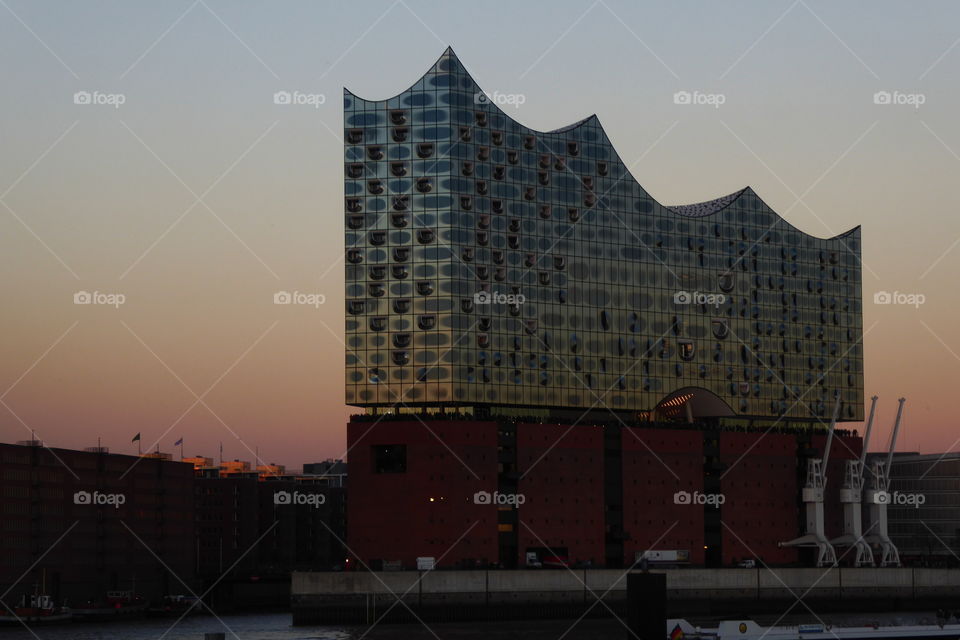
pixel 677 633
pixel 180 441
pixel 136 438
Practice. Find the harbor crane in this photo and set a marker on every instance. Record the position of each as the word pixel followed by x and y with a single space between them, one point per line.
pixel 813 500
pixel 878 498
pixel 851 497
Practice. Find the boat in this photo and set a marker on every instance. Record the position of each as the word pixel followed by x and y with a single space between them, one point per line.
pixel 679 629
pixel 117 604
pixel 40 609
pixel 176 605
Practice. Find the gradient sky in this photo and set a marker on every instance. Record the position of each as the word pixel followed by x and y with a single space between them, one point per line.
pixel 199 198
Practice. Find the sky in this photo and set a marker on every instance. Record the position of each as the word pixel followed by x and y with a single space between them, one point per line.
pixel 146 163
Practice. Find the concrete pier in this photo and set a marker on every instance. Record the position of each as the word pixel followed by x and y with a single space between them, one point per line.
pixel 366 597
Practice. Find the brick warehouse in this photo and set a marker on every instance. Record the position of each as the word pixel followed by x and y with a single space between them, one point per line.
pixel 525 321
pixel 593 494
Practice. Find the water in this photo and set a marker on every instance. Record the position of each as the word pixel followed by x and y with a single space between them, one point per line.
pixel 276 626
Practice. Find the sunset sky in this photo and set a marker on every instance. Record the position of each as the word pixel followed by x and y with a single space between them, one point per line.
pixel 183 188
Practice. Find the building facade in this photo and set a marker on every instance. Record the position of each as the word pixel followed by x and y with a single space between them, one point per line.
pixel 551 362
pixel 924 509
pixel 496 267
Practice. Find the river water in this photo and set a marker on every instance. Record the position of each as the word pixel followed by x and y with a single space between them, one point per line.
pixel 276 626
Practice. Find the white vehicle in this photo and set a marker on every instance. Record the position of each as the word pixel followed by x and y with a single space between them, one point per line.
pixel 533 561
pixel 661 556
pixel 426 564
pixel 749 563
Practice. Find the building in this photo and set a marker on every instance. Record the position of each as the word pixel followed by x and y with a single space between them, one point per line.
pixel 333 472
pixel 80 523
pixel 525 322
pixel 924 508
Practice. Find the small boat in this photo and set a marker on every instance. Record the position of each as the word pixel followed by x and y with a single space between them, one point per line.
pixel 679 629
pixel 176 606
pixel 40 609
pixel 117 604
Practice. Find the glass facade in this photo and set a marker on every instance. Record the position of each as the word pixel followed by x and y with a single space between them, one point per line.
pixel 491 264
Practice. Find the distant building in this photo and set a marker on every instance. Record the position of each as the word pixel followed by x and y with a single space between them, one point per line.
pixel 230 467
pixel 332 472
pixel 924 507
pixel 93 522
pixel 271 470
pixel 199 462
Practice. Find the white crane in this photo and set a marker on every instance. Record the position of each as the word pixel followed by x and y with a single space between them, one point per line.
pixel 813 500
pixel 878 497
pixel 850 495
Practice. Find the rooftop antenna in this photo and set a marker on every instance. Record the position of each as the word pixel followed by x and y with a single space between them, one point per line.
pixel 813 500
pixel 878 497
pixel 851 498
